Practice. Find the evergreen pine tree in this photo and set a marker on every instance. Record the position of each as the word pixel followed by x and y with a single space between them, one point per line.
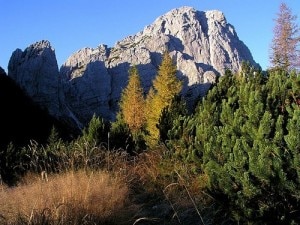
pixel 292 139
pixel 249 148
pixel 170 117
pixel 96 131
pixel 121 136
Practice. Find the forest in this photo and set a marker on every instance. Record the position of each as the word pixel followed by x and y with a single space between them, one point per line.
pixel 234 158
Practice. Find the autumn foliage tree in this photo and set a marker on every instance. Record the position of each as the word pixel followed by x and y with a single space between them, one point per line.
pixel 285 45
pixel 165 87
pixel 127 132
pixel 133 103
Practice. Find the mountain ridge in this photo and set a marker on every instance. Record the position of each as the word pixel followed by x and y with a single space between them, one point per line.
pixel 202 44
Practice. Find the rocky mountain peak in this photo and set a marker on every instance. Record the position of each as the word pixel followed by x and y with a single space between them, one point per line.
pixel 43 44
pixel 202 44
pixel 180 20
pixel 217 16
pixel 2 72
pixel 35 69
pixel 172 22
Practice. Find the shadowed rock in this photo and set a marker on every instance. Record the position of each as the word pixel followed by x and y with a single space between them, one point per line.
pixel 35 70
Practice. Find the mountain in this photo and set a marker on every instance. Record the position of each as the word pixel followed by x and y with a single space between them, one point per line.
pixel 21 119
pixel 202 44
pixel 36 71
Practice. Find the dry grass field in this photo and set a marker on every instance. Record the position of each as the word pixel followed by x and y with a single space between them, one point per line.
pixel 70 198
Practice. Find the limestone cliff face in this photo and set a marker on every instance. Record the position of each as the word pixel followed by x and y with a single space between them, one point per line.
pixel 87 83
pixel 202 45
pixel 35 70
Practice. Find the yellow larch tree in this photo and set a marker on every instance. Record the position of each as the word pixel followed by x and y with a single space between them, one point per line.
pixel 165 86
pixel 132 105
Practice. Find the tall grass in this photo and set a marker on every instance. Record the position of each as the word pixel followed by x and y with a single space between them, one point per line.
pixel 70 198
pixel 86 184
pixel 61 157
pixel 175 183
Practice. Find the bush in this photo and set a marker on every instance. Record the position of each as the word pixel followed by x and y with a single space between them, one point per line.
pixel 248 145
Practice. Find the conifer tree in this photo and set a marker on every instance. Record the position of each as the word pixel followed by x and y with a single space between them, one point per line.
pixel 133 103
pixel 244 137
pixel 121 136
pixel 128 131
pixel 172 115
pixel 293 143
pixel 165 86
pixel 95 132
pixel 285 45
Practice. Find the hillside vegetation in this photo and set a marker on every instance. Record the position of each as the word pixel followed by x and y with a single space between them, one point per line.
pixel 233 159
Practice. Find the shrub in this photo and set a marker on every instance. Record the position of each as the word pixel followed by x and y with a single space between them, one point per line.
pixel 248 145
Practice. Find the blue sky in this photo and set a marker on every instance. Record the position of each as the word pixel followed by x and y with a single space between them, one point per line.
pixel 73 24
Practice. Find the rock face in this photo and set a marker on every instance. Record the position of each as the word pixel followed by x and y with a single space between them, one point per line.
pixel 202 44
pixel 87 83
pixel 2 72
pixel 23 120
pixel 35 70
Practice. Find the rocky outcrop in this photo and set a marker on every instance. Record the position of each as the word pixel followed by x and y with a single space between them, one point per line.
pixel 35 70
pixel 87 83
pixel 20 118
pixel 91 81
pixel 2 72
pixel 202 44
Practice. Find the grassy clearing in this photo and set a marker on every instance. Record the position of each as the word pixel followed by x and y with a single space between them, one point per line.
pixel 111 188
pixel 71 198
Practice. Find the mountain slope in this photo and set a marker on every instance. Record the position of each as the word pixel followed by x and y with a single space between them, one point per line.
pixel 203 45
pixel 90 82
pixel 21 119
